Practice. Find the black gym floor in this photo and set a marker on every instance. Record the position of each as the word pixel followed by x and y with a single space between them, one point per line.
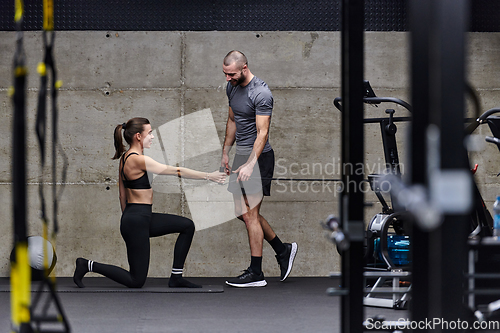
pixel 300 304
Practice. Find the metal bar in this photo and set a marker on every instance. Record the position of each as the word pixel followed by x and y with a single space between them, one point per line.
pixel 490 291
pixel 388 290
pixel 376 285
pixel 438 87
pixel 386 274
pixel 378 302
pixel 352 198
pixel 452 23
pixel 376 100
pixel 46 319
pixel 472 281
pixel 484 242
pixel 483 275
pixel 378 120
pixel 420 27
pixel 388 100
pixel 396 289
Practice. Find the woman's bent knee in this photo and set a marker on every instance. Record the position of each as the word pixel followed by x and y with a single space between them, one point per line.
pixel 137 283
pixel 189 226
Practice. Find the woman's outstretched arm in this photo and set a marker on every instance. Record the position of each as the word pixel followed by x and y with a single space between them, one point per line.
pixel 163 169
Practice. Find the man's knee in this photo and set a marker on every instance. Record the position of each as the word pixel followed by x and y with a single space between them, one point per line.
pixel 250 218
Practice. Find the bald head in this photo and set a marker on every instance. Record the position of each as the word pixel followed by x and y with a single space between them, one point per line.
pixel 235 57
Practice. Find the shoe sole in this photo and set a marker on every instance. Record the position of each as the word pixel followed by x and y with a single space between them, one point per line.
pixel 290 261
pixel 262 283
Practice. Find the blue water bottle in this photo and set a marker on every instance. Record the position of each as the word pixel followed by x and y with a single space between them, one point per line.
pixel 496 217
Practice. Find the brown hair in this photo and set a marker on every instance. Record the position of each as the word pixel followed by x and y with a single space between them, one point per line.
pixel 133 126
pixel 235 57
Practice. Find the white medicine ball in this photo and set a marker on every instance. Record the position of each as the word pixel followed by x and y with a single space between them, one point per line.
pixel 36 251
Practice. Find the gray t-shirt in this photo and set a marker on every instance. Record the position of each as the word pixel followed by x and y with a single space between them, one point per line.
pixel 247 102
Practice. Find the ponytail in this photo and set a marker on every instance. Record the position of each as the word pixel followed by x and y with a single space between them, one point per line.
pixel 119 147
pixel 133 126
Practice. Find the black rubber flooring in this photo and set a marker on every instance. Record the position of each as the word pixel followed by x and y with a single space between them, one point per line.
pixel 298 305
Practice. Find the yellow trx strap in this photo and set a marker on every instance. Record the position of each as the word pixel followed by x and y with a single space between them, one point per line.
pixel 20 281
pixel 43 68
pixel 19 11
pixel 48 15
pixel 20 277
pixel 44 305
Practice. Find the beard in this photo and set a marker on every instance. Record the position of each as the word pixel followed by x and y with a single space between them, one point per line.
pixel 240 80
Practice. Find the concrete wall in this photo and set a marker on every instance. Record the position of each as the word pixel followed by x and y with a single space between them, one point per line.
pixel 110 77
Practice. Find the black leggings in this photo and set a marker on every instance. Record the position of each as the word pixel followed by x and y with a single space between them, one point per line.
pixel 138 224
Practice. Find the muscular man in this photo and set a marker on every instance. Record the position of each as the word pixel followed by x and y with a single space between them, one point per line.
pixel 250 109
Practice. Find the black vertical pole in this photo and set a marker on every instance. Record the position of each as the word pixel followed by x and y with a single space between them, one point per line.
pixel 438 86
pixel 420 26
pixel 352 198
pixel 452 16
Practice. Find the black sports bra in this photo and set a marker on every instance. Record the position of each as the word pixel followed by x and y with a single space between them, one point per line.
pixel 141 183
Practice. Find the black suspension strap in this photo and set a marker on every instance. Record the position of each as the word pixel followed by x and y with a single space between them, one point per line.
pixel 42 305
pixel 283 179
pixel 20 277
pixel 41 127
pixel 44 68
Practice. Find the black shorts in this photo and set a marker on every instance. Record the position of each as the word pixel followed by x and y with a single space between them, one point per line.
pixel 261 176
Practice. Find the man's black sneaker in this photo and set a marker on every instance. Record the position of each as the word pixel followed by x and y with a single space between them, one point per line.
pixel 248 279
pixel 285 259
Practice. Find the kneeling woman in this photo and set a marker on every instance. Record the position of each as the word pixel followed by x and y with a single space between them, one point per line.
pixel 138 222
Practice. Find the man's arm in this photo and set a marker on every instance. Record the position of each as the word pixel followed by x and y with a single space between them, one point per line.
pixel 262 123
pixel 228 140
